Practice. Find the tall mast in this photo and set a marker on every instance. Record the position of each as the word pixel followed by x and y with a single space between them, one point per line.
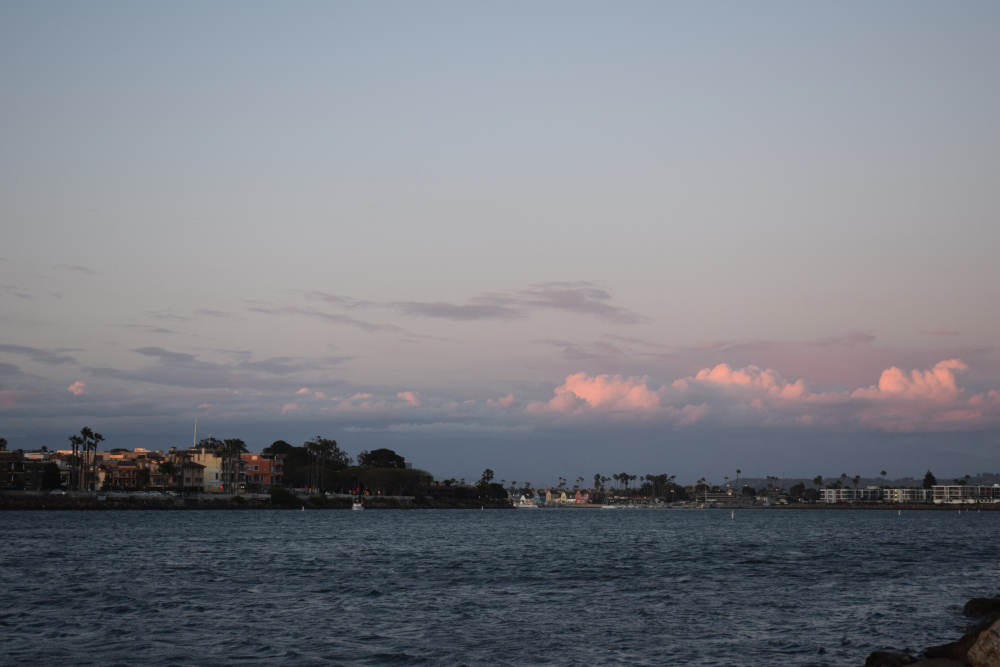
pixel 194 443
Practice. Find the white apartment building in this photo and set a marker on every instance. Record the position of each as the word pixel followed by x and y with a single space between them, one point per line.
pixel 966 494
pixel 907 495
pixel 849 495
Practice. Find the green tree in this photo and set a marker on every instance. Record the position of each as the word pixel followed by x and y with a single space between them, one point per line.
pixel 929 480
pixel 232 463
pixel 51 477
pixel 381 458
pixel 818 481
pixel 856 480
pixel 3 444
pixel 797 490
pixel 87 442
pixel 167 469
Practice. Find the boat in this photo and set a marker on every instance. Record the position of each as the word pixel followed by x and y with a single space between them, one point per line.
pixel 357 503
pixel 525 504
pixel 609 507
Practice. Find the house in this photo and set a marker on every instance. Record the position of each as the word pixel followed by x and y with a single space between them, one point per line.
pixel 263 469
pixel 212 474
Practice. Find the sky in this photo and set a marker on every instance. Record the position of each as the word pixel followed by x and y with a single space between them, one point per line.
pixel 548 238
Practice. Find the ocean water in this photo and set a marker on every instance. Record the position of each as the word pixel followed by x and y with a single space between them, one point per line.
pixel 426 587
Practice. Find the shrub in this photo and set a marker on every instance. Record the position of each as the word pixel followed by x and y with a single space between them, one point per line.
pixel 280 496
pixel 239 500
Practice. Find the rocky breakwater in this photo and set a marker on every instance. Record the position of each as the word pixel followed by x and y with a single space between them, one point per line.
pixel 978 648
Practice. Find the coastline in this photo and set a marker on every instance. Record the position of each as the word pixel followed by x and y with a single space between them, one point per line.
pixel 46 503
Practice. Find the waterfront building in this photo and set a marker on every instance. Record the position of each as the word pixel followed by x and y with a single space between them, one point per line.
pixel 212 474
pixel 263 469
pixel 907 495
pixel 966 494
pixel 19 472
pixel 125 474
pixel 850 495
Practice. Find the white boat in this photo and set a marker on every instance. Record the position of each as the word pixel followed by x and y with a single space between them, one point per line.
pixel 357 505
pixel 525 504
pixel 609 507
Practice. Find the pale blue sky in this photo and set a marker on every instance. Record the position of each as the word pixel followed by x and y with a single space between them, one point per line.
pixel 730 180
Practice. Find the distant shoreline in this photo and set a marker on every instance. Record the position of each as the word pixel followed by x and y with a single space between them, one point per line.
pixel 11 502
pixel 38 503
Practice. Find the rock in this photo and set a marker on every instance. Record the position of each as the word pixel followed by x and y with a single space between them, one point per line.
pixel 889 659
pixel 939 662
pixel 982 607
pixel 985 652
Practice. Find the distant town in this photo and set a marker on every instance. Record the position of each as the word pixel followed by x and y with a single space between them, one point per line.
pixel 319 469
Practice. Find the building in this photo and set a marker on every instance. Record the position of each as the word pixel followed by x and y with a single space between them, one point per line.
pixel 966 494
pixel 122 474
pixel 850 495
pixel 19 472
pixel 212 474
pixel 907 495
pixel 263 470
pixel 190 476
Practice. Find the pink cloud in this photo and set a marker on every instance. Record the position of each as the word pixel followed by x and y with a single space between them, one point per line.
pixel 304 390
pixel 937 384
pixel 289 407
pixel 752 376
pixel 204 406
pixel 318 394
pixel 606 392
pixel 505 402
pixel 77 388
pixel 751 396
pixel 409 396
pixel 12 398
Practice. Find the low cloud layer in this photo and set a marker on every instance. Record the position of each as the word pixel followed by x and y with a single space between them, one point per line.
pixel 918 400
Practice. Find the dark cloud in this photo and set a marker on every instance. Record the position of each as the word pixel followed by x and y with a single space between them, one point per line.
pixel 332 318
pixel 461 312
pixel 10 370
pixel 849 339
pixel 218 314
pixel 576 297
pixel 146 328
pixel 576 352
pixel 19 292
pixel 50 357
pixel 76 268
pixel 166 315
pixel 343 301
pixel 180 369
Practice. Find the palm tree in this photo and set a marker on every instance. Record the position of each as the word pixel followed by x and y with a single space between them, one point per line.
pixel 76 443
pixel 818 481
pixel 843 479
pixel 88 441
pixel 856 480
pixel 883 478
pixel 231 450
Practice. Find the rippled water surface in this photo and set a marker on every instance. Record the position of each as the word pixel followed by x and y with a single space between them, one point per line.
pixel 559 587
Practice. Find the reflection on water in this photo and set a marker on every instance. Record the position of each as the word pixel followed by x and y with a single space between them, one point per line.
pixel 563 587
